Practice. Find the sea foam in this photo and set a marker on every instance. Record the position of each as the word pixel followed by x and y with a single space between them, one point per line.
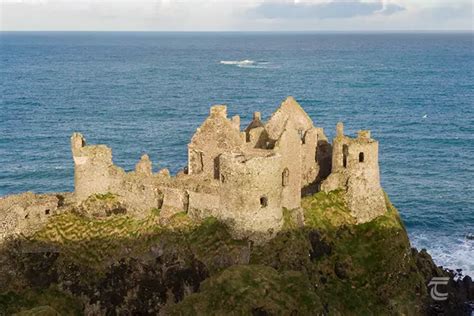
pixel 451 252
pixel 247 63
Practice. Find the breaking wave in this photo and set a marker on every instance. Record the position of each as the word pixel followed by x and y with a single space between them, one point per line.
pixel 247 63
pixel 453 252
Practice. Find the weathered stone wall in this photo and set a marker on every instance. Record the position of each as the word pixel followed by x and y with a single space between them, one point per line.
pixel 355 169
pixel 175 200
pixel 245 177
pixel 216 135
pixel 309 166
pixel 288 110
pixel 250 193
pixel 95 173
pixel 202 205
pixel 290 149
pixel 257 138
pixel 27 212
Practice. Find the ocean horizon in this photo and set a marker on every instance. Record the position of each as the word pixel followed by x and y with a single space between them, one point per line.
pixel 147 92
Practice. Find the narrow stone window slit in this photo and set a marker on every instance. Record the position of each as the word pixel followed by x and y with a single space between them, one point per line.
pixel 263 201
pixel 345 153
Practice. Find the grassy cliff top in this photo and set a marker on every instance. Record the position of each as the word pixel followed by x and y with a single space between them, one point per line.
pixel 331 265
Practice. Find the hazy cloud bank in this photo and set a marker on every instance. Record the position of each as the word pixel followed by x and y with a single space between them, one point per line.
pixel 327 10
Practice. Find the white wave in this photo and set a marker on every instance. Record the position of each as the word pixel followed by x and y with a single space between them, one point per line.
pixel 452 252
pixel 238 62
pixel 248 63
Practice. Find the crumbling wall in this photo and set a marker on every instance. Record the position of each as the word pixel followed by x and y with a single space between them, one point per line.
pixel 244 178
pixel 95 173
pixel 355 169
pixel 323 157
pixel 255 134
pixel 216 135
pixel 250 192
pixel 202 205
pixel 309 166
pixel 288 110
pixel 257 138
pixel 175 200
pixel 289 148
pixel 27 212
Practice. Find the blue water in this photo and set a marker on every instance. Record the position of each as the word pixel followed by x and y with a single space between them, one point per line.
pixel 148 92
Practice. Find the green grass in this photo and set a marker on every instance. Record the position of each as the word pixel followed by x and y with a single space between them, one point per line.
pixel 326 210
pixel 330 264
pixel 369 268
pixel 31 302
pixel 288 222
pixel 249 289
pixel 105 196
pixel 94 241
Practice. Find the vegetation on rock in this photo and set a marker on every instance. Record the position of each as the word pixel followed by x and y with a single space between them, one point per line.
pixel 119 264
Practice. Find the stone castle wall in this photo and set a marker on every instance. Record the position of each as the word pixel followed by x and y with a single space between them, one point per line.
pixel 245 178
pixel 95 173
pixel 355 169
pixel 250 193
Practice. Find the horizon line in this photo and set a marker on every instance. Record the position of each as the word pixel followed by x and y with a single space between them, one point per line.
pixel 243 31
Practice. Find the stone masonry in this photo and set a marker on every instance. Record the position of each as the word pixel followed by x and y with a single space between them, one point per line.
pixel 243 177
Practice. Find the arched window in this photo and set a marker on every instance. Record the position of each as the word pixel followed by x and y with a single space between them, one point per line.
pixel 361 157
pixel 263 201
pixel 285 177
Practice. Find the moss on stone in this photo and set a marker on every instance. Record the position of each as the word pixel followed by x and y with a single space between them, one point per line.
pixel 288 221
pixel 252 290
pixel 39 302
pixel 357 269
pixel 326 210
pixel 331 265
pixel 213 244
pixel 105 196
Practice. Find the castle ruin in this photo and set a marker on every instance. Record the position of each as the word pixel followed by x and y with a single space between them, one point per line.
pixel 243 177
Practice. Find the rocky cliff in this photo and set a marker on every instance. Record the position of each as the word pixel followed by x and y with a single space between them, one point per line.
pixel 96 259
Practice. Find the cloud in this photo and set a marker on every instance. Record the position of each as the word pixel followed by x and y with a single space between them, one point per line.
pixel 235 15
pixel 328 10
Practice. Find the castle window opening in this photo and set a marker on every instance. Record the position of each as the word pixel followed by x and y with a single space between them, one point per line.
pixel 345 153
pixel 300 132
pixel 361 157
pixel 216 168
pixel 285 177
pixel 263 201
pixel 46 212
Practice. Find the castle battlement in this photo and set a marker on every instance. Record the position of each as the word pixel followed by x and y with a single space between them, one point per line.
pixel 244 178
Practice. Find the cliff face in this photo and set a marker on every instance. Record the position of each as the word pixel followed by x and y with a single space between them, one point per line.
pixel 116 264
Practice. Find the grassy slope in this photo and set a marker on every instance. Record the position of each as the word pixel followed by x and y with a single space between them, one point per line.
pixel 330 265
pixel 341 267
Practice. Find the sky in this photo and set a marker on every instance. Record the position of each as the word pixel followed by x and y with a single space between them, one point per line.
pixel 236 15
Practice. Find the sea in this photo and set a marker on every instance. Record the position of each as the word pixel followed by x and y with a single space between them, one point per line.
pixel 147 92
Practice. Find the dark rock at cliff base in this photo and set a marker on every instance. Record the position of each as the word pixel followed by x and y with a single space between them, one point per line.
pixel 118 264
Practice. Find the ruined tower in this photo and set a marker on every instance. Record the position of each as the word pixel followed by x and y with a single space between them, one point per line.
pixel 251 187
pixel 355 169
